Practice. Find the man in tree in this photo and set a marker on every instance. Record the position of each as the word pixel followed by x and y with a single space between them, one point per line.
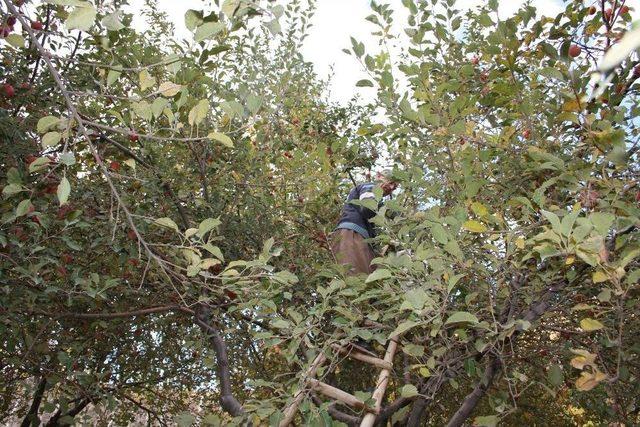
pixel 348 240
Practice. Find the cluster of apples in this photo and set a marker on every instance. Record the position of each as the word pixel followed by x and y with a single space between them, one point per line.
pixel 7 90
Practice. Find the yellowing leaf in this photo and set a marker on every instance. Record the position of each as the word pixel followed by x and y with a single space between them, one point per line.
pixel 166 222
pixel 474 226
pixel 589 324
pixel 64 189
pixel 479 209
pixel 146 80
pixel 199 112
pixel 169 89
pixel 587 380
pixel 51 138
pixel 15 40
pixel 520 242
pixel 46 123
pixel 82 17
pixel 131 163
pixel 221 137
pixel 599 277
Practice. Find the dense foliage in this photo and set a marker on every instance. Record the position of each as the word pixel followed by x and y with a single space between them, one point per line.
pixel 166 204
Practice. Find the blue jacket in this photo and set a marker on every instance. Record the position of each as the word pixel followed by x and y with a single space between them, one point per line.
pixel 355 217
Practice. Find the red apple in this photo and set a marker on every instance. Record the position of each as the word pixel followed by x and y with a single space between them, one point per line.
pixel 475 60
pixel 37 25
pixel 592 10
pixel 8 90
pixel 607 14
pixel 114 166
pixel 11 21
pixel 526 134
pixel 574 50
pixel 133 137
pixel 624 9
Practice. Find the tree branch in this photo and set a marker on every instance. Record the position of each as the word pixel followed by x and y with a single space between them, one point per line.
pixel 120 314
pixel 228 402
pixel 471 400
pixel 32 416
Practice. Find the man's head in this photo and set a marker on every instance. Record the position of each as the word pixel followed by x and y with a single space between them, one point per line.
pixel 386 181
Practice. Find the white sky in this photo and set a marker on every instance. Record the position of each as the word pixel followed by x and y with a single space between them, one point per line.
pixel 334 22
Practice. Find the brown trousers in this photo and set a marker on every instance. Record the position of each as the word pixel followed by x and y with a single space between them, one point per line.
pixel 349 248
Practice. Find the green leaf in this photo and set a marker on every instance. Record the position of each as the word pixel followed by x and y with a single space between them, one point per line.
pixel 555 375
pixel 486 421
pixel 23 207
pixel 11 189
pixel 462 317
pixel 474 226
pixel 413 350
pixel 166 222
pixel 554 220
pixel 113 75
pixel 192 18
pixel 112 21
pixel 409 390
pixel 82 17
pixel 222 138
pixel 403 327
pixel 379 274
pixel 158 106
pixel 64 189
pixel 142 110
pixel 229 7
pixel 439 234
pixel 46 123
pixel 208 30
pixel 274 26
pixel 68 158
pixel 602 222
pixel 50 139
pixel 589 324
pixel 417 298
pixel 198 112
pixel 214 250
pixel 184 419
pixel 15 40
pixel 38 164
pixel 207 225
pixel 364 83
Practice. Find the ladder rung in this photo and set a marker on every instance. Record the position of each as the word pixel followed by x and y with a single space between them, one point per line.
pixel 375 361
pixel 337 394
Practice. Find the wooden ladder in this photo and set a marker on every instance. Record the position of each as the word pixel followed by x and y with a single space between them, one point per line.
pixel 385 365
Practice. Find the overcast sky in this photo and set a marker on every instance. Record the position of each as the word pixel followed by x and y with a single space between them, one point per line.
pixel 334 22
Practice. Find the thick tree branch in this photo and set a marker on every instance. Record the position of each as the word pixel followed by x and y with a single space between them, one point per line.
pixel 32 416
pixel 227 400
pixel 471 400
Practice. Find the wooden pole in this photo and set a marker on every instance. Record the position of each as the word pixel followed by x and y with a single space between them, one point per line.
pixel 339 395
pixel 290 411
pixel 375 361
pixel 381 386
